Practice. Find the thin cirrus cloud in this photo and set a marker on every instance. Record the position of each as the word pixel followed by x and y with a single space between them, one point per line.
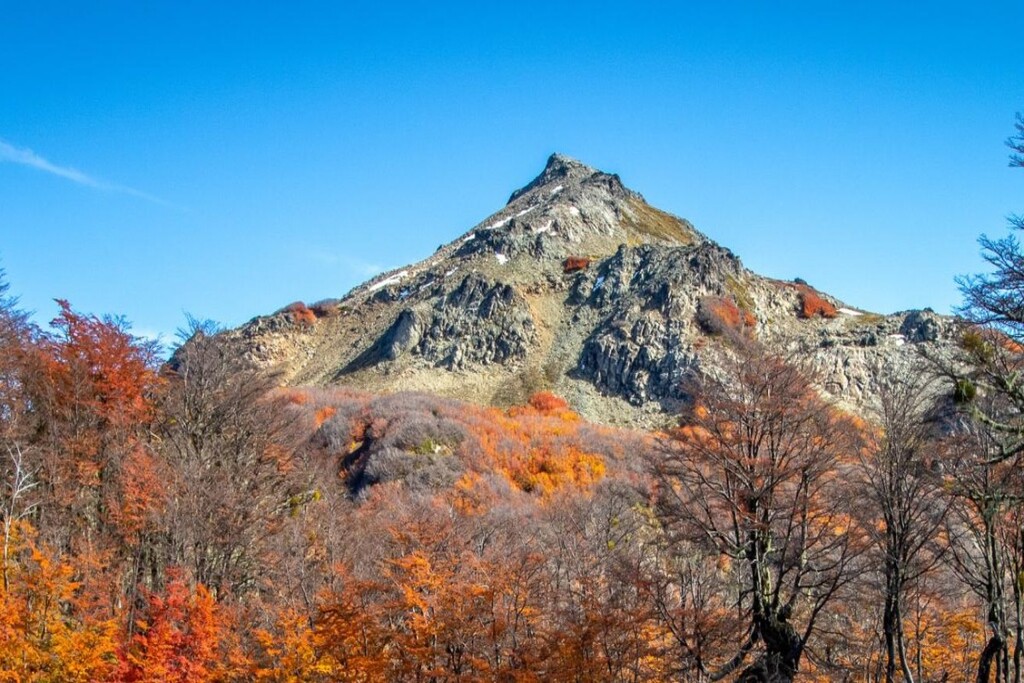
pixel 26 157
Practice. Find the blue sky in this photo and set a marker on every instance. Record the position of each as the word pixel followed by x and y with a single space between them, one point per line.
pixel 162 158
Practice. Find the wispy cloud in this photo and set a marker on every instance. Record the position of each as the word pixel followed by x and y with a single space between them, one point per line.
pixel 26 157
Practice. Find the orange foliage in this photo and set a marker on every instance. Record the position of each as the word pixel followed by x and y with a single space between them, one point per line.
pixel 117 372
pixel 323 415
pixel 948 642
pixel 547 402
pixel 300 314
pixel 177 640
pixel 299 398
pixel 718 313
pixel 979 340
pixel 813 305
pixel 43 635
pixel 524 564
pixel 534 450
pixel 575 263
pixel 140 495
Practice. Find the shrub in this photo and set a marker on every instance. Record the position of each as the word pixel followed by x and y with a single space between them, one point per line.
pixel 326 308
pixel 323 415
pixel 547 402
pixel 300 314
pixel 813 305
pixel 575 263
pixel 965 391
pixel 718 314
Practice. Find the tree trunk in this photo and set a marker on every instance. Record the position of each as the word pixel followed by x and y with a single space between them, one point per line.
pixel 991 653
pixel 781 659
pixel 889 630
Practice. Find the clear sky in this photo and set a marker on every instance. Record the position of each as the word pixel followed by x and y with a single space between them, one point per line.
pixel 226 159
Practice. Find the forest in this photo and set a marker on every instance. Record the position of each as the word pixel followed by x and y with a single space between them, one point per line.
pixel 193 520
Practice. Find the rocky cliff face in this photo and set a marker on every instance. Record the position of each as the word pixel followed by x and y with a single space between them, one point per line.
pixel 579 286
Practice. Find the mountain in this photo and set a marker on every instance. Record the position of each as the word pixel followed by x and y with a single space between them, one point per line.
pixel 579 286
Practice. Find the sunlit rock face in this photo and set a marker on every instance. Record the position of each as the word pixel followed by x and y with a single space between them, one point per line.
pixel 578 286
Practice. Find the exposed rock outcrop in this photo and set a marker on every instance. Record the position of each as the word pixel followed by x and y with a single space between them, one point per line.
pixel 498 313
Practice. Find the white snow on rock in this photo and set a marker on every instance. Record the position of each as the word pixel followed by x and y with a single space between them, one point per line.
pixel 599 282
pixel 524 211
pixel 850 311
pixel 557 190
pixel 451 272
pixel 543 228
pixel 497 224
pixel 898 339
pixel 470 237
pixel 394 279
pixel 502 259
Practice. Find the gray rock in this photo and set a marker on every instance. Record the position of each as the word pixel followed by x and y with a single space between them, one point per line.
pixel 493 315
pixel 921 326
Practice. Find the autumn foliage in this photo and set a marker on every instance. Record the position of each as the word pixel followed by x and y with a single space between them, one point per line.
pixel 574 264
pixel 813 305
pixel 191 521
pixel 300 314
pixel 719 315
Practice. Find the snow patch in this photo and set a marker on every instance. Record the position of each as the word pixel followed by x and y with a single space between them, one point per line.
pixel 898 339
pixel 502 259
pixel 557 190
pixel 451 272
pixel 497 224
pixel 599 282
pixel 574 211
pixel 470 237
pixel 850 311
pixel 524 211
pixel 394 279
pixel 543 228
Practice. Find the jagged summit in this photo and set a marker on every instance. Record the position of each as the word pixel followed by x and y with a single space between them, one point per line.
pixel 578 286
pixel 559 169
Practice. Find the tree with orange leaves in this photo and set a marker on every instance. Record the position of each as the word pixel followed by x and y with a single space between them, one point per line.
pixel 178 639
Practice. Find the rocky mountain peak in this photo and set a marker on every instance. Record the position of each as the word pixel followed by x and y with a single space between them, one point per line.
pixel 564 171
pixel 579 286
pixel 561 165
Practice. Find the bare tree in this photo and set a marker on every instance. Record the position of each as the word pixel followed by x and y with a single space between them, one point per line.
pixel 18 483
pixel 904 488
pixel 225 436
pixel 756 479
pixel 994 307
pixel 987 498
pixel 985 531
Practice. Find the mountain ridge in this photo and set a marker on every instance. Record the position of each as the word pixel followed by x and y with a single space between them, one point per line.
pixel 577 285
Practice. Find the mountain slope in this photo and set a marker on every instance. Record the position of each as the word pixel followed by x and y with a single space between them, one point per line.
pixel 579 286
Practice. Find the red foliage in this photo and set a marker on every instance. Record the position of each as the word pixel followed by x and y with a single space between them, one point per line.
pixel 299 398
pixel 813 305
pixel 976 337
pixel 177 641
pixel 547 402
pixel 323 415
pixel 716 314
pixel 575 263
pixel 98 362
pixel 300 314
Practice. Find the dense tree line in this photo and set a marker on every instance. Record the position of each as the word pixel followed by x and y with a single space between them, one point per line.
pixel 193 521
